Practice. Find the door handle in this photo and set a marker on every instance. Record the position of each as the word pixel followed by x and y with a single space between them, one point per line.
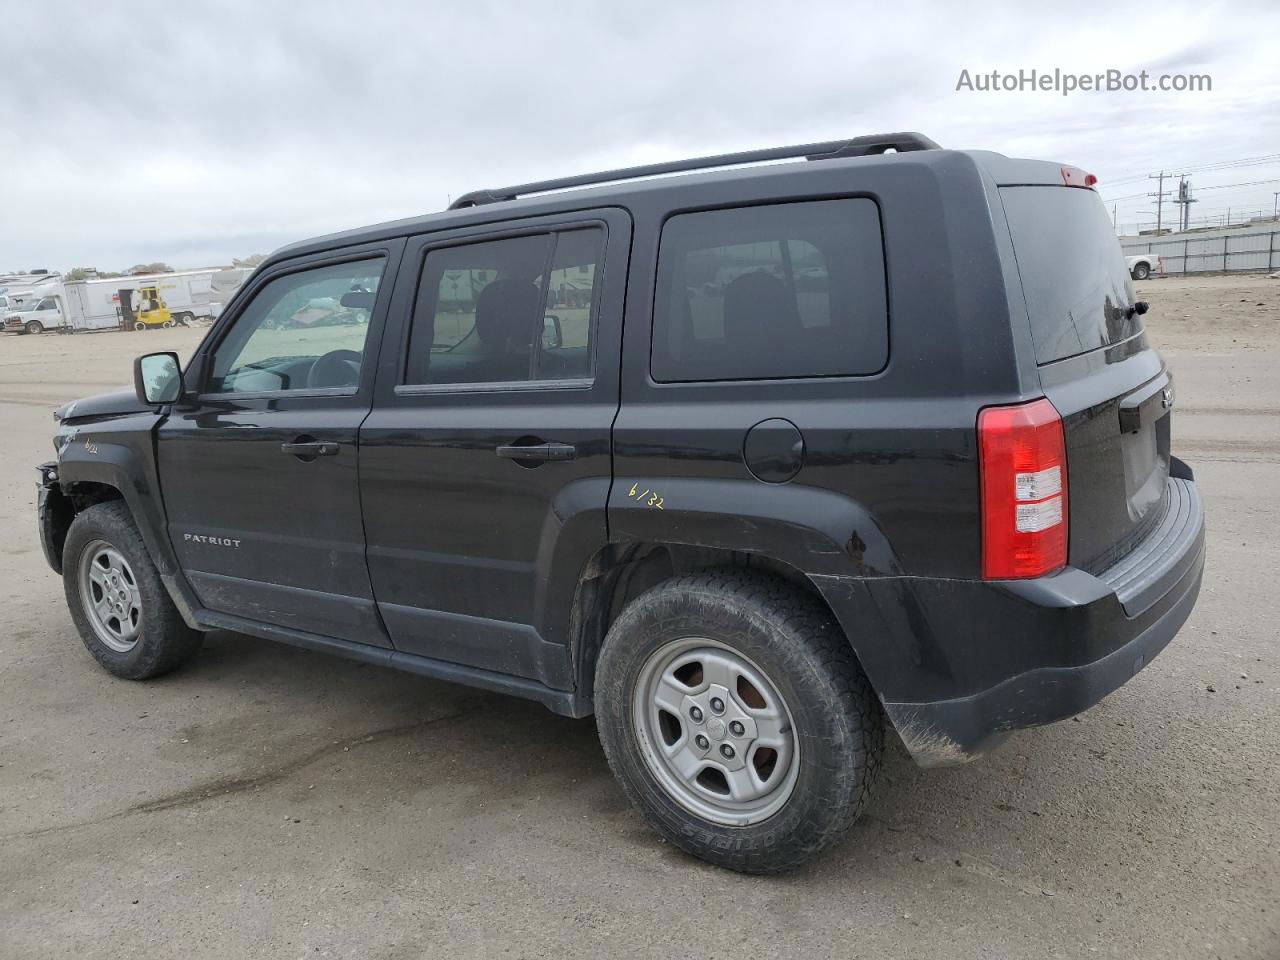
pixel 310 449
pixel 541 452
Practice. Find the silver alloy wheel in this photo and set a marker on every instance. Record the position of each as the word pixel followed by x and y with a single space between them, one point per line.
pixel 110 596
pixel 715 732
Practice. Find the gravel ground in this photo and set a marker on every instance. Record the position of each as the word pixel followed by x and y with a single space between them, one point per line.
pixel 272 802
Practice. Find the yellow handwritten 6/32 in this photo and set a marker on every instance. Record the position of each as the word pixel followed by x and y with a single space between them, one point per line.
pixel 647 496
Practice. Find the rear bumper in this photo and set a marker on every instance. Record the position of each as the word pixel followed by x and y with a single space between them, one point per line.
pixel 1090 633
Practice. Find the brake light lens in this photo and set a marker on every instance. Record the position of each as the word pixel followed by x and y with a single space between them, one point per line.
pixel 1075 177
pixel 1023 466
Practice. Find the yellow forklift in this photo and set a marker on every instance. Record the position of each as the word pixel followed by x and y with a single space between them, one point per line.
pixel 144 308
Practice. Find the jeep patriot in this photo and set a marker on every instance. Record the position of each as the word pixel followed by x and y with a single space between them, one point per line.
pixel 752 463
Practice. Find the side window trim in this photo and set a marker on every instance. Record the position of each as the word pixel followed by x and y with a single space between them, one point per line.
pixel 499 232
pixel 202 362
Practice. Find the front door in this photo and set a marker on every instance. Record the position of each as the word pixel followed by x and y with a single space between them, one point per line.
pixel 485 464
pixel 259 467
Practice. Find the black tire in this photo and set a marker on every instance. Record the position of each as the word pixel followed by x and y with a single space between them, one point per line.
pixel 164 640
pixel 838 723
pixel 34 326
pixel 1141 271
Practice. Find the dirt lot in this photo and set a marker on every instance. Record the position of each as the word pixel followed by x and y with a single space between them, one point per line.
pixel 271 802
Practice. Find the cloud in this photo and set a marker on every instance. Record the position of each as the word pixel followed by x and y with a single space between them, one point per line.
pixel 193 133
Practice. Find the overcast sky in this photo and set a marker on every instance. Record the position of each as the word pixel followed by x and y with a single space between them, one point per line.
pixel 194 133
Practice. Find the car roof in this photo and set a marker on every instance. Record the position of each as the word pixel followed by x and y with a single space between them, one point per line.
pixel 1001 171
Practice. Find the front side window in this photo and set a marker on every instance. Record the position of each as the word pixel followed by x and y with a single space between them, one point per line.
pixel 506 311
pixel 302 331
pixel 770 292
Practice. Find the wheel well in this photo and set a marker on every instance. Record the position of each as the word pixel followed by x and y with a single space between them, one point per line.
pixel 71 499
pixel 617 575
pixel 84 494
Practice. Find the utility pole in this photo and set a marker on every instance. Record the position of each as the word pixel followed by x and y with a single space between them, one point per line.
pixel 1159 195
pixel 1184 201
pixel 1275 209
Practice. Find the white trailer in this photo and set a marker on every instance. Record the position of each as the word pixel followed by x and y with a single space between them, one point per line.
pixel 189 295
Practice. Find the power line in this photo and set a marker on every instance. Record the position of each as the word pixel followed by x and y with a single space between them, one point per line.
pixel 1251 183
pixel 1263 160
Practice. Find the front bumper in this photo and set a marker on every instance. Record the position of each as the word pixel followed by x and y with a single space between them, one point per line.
pixel 1055 646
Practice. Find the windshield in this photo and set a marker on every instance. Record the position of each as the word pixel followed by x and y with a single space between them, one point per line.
pixel 1074 279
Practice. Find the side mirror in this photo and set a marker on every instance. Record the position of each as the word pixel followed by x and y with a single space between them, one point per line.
pixel 157 378
pixel 552 335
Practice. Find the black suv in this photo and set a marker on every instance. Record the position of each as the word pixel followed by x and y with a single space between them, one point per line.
pixel 747 462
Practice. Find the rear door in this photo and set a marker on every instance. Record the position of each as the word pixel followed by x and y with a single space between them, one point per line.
pixel 485 464
pixel 1096 366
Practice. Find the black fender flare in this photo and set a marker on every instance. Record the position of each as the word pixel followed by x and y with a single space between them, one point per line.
pixel 830 538
pixel 120 454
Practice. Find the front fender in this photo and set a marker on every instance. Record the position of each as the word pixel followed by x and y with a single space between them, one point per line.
pixel 119 452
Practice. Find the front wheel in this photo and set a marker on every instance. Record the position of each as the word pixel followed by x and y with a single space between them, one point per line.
pixel 123 612
pixel 34 326
pixel 734 714
pixel 1141 271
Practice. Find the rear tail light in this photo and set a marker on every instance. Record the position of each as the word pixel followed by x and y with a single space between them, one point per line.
pixel 1023 466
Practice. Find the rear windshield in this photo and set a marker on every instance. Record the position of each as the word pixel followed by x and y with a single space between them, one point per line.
pixel 1074 278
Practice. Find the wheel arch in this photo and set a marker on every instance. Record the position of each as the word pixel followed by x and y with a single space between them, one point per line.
pixel 61 504
pixel 113 460
pixel 617 574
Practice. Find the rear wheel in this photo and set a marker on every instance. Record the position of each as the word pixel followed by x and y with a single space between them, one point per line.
pixel 736 718
pixel 124 614
pixel 34 326
pixel 1141 271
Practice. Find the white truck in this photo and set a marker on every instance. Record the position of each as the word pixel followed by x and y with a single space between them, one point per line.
pixel 36 315
pixel 21 292
pixel 1143 265
pixel 189 294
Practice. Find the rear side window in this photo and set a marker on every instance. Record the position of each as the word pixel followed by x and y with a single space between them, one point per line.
pixel 1074 277
pixel 769 292
pixel 506 311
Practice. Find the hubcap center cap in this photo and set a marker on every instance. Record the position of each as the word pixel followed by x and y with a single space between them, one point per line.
pixel 716 728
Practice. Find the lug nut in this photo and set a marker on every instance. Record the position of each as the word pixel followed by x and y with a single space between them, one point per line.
pixel 702 742
pixel 736 728
pixel 717 705
pixel 726 751
pixel 695 714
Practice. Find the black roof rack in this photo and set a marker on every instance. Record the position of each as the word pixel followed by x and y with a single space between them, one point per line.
pixel 857 147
